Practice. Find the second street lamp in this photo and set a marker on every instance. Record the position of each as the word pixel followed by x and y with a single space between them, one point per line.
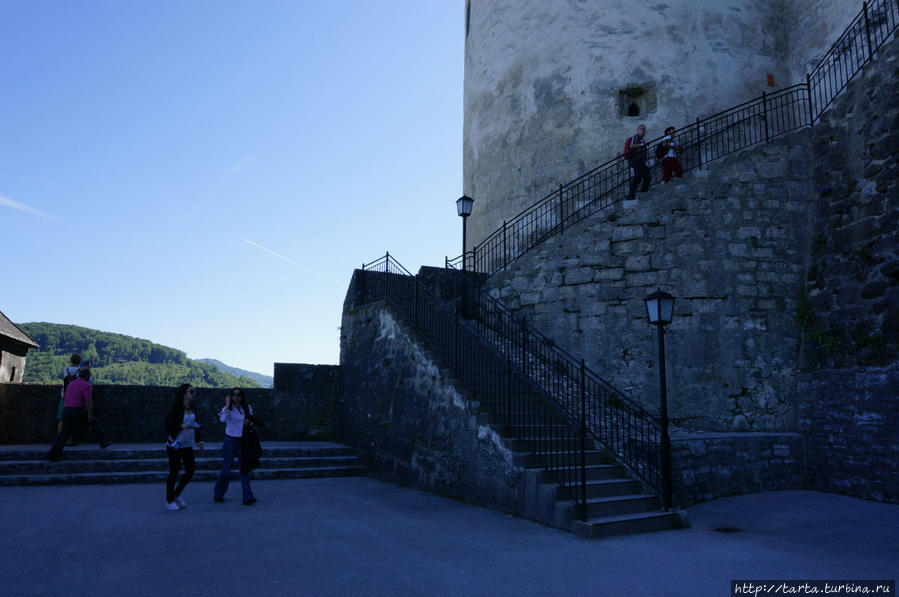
pixel 660 311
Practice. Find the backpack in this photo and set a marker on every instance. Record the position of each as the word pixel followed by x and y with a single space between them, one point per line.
pixel 69 378
pixel 661 151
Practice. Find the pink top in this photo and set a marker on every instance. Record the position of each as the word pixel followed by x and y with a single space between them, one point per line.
pixel 77 392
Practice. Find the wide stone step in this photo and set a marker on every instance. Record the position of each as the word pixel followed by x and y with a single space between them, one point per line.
pixel 210 462
pixel 131 451
pixel 103 478
pixel 623 524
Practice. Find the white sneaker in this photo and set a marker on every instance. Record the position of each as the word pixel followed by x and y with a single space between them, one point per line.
pixel 172 506
pixel 181 503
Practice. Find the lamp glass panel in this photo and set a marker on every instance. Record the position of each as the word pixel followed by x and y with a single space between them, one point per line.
pixel 666 309
pixel 652 309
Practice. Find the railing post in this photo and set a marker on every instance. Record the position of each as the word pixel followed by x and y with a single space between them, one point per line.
pixel 868 32
pixel 765 113
pixel 505 252
pixel 456 345
pixel 811 109
pixel 508 390
pixel 474 259
pixel 583 455
pixel 524 346
pixel 698 145
pixel 561 209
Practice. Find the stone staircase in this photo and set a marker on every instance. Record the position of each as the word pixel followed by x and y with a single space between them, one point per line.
pixel 147 463
pixel 617 503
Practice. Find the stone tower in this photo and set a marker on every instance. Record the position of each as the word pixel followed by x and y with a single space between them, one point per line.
pixel 553 87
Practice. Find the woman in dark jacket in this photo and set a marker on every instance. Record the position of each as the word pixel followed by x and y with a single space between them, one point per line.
pixel 183 432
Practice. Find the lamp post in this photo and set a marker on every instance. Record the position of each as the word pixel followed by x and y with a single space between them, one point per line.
pixel 660 310
pixel 463 206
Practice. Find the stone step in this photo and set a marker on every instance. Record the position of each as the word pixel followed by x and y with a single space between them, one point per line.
pixel 609 488
pixel 159 476
pixel 623 524
pixel 540 459
pixel 207 462
pixel 618 505
pixel 129 451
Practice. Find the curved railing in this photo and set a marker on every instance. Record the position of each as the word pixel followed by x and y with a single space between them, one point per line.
pixel 750 123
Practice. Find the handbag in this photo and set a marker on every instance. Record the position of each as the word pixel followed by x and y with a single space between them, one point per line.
pixel 251 450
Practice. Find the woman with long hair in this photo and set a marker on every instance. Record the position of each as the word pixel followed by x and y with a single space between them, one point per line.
pixel 183 432
pixel 237 416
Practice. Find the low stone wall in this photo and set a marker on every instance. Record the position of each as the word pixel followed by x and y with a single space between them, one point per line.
pixel 712 465
pixel 850 419
pixel 301 410
pixel 409 424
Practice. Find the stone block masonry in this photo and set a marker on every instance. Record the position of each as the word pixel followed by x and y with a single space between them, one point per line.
pixel 851 421
pixel 730 242
pixel 853 281
pixel 299 409
pixel 409 423
pixel 712 465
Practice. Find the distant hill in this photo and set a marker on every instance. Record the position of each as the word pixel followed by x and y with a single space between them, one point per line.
pixel 118 359
pixel 266 381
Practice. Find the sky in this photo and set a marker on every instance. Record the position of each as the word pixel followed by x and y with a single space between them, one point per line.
pixel 207 175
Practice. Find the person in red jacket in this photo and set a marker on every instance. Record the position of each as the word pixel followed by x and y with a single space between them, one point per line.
pixel 78 409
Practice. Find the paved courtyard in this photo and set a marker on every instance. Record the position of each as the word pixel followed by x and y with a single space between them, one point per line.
pixel 359 536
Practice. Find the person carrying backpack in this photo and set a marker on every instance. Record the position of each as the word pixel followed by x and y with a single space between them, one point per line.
pixel 79 410
pixel 635 153
pixel 69 374
pixel 667 152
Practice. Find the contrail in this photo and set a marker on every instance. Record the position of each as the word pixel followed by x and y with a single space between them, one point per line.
pixel 4 202
pixel 280 256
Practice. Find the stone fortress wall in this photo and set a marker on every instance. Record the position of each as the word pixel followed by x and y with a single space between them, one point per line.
pixel 549 84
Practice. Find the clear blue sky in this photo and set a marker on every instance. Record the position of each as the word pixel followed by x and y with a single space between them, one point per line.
pixel 206 175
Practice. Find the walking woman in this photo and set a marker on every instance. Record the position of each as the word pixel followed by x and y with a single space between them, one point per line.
pixel 183 436
pixel 238 418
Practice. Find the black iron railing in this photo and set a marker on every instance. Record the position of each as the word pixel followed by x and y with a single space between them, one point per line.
pixel 746 125
pixel 538 423
pixel 626 430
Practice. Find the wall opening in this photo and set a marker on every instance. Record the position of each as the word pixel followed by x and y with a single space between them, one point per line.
pixel 637 100
pixel 467 17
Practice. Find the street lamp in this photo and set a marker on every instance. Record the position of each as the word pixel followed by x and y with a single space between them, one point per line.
pixel 463 206
pixel 660 310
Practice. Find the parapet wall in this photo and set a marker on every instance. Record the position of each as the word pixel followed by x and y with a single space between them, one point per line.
pixel 850 419
pixel 301 410
pixel 409 423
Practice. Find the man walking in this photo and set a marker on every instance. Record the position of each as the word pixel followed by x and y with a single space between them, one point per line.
pixel 635 153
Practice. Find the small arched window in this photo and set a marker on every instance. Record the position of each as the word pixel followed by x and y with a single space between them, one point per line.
pixel 633 110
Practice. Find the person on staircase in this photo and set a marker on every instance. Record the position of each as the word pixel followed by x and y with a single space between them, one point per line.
pixel 183 430
pixel 635 153
pixel 668 149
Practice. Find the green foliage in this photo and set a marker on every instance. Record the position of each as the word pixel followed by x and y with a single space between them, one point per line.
pixel 118 359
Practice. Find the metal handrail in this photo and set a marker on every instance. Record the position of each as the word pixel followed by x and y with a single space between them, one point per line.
pixel 609 416
pixel 499 383
pixel 708 139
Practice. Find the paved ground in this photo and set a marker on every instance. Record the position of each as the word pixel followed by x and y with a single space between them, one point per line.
pixel 358 536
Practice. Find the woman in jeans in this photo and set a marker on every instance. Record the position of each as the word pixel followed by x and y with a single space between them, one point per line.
pixel 236 416
pixel 183 436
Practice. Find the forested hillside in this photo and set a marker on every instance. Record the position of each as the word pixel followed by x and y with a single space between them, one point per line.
pixel 117 359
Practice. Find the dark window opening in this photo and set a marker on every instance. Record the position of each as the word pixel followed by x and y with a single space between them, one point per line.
pixel 467 17
pixel 637 100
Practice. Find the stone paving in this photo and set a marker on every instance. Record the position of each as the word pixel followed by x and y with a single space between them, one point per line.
pixel 359 536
